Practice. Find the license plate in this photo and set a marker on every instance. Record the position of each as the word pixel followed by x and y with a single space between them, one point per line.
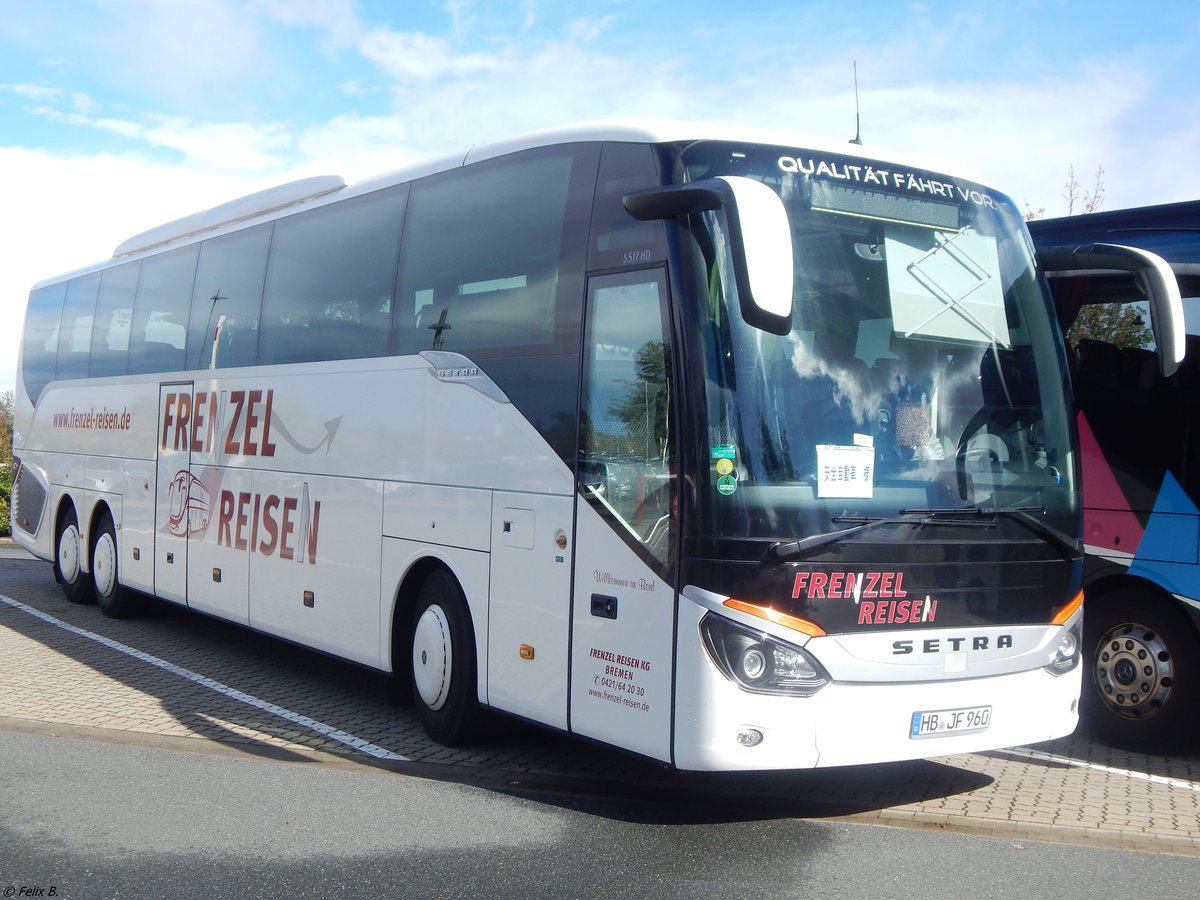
pixel 942 722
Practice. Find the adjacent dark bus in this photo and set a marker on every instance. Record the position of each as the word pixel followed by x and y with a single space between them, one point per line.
pixel 1139 428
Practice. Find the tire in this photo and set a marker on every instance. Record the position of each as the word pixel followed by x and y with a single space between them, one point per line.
pixel 1142 674
pixel 114 601
pixel 442 645
pixel 68 560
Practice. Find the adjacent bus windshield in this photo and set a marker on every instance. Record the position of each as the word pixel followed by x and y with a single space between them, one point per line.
pixel 732 452
pixel 1141 474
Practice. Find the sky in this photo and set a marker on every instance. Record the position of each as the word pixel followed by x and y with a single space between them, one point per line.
pixel 118 115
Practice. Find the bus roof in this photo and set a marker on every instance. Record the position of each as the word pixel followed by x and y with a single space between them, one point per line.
pixel 319 190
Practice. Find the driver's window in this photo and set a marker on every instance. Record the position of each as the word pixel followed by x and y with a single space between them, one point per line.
pixel 626 465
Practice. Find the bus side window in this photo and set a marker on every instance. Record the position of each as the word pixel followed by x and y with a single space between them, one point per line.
pixel 160 312
pixel 227 299
pixel 75 334
pixel 330 281
pixel 114 320
pixel 39 351
pixel 480 265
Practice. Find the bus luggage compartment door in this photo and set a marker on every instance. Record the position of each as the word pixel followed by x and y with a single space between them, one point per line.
pixel 529 611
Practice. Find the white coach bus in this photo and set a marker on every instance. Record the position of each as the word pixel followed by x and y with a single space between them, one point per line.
pixel 730 450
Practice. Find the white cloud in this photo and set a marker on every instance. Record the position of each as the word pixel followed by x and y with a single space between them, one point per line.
pixel 34 92
pixel 234 146
pixel 70 212
pixel 588 30
pixel 338 18
pixel 412 56
pixel 82 103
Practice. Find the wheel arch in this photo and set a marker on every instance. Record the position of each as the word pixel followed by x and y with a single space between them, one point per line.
pixel 100 509
pixel 406 566
pixel 1113 588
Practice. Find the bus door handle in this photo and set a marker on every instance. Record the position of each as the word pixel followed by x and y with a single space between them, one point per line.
pixel 604 607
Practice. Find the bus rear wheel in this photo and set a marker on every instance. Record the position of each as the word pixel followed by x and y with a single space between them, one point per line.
pixel 68 560
pixel 1143 675
pixel 114 601
pixel 443 662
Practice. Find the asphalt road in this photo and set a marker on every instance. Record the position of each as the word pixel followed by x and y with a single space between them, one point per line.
pixel 99 819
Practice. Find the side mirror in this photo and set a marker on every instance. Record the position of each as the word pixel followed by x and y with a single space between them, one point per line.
pixel 1153 275
pixel 758 232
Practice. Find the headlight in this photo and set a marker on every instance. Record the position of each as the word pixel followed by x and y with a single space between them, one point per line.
pixel 758 662
pixel 1067 653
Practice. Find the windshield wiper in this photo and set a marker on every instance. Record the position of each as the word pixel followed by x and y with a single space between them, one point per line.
pixel 781 551
pixel 968 517
pixel 785 550
pixel 1026 515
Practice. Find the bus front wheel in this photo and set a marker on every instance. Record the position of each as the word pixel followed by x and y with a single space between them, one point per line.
pixel 443 662
pixel 68 560
pixel 1143 675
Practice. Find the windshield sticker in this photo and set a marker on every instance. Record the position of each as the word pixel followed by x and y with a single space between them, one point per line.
pixel 723 451
pixel 845 471
pixel 727 484
pixel 724 466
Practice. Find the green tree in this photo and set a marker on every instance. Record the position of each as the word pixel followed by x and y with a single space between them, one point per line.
pixel 644 408
pixel 1122 324
pixel 6 429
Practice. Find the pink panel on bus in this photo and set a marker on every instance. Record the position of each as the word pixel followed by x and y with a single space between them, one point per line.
pixel 1108 521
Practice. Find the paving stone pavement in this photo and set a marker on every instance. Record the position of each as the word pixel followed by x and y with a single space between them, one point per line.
pixel 198 680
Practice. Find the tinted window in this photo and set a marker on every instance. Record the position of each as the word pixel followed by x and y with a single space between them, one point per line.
pixel 625 452
pixel 75 334
pixel 39 350
pixel 618 239
pixel 226 300
pixel 114 320
pixel 482 250
pixel 160 314
pixel 330 280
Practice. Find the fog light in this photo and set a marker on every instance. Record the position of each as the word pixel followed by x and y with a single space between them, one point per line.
pixel 749 737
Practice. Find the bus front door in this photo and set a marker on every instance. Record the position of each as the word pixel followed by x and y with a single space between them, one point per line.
pixel 623 614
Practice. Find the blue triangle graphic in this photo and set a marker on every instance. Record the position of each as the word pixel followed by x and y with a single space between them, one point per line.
pixel 1167 554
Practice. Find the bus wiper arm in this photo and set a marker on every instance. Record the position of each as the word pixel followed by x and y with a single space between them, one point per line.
pixel 782 551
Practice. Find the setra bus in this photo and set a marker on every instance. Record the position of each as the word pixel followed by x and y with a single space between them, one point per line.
pixel 725 448
pixel 1140 458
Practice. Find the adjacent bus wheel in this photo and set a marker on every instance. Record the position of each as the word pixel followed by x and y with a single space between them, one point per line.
pixel 113 600
pixel 1143 675
pixel 443 662
pixel 68 560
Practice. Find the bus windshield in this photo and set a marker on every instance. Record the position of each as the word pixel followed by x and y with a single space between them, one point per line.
pixel 914 380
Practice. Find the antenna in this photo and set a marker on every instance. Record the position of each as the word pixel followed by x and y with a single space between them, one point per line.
pixel 857 139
